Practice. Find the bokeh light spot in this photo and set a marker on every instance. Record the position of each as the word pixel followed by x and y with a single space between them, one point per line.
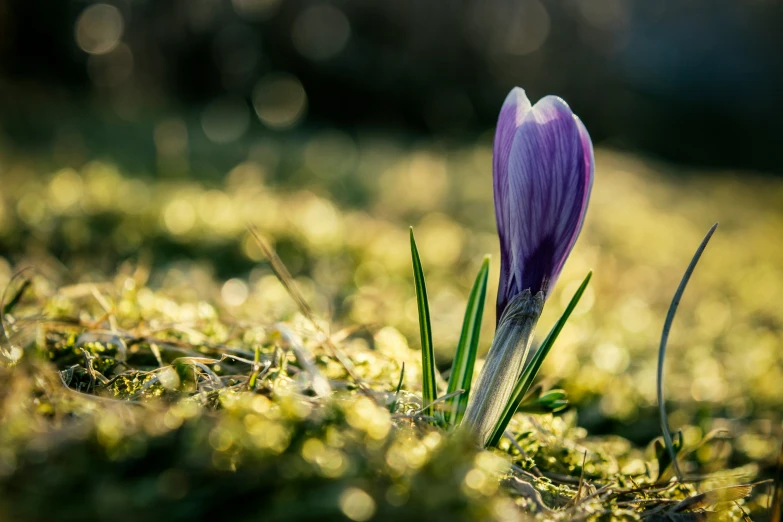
pixel 635 315
pixel 279 100
pixel 225 119
pixel 611 358
pixel 65 189
pixel 321 32
pixel 99 29
pixel 234 292
pixel 440 240
pixel 357 504
pixel 320 222
pixel 179 216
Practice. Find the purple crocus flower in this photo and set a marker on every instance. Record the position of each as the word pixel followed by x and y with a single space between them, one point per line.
pixel 543 173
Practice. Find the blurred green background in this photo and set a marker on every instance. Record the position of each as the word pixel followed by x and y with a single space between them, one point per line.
pixel 153 132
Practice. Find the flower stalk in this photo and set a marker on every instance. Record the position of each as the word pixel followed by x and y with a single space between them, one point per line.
pixel 503 365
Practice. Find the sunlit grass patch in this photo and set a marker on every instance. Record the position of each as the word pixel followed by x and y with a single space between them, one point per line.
pixel 152 313
pixel 163 415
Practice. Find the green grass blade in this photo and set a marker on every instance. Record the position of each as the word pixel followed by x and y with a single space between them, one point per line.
pixel 550 401
pixel 531 370
pixel 395 404
pixel 429 391
pixel 662 349
pixel 465 358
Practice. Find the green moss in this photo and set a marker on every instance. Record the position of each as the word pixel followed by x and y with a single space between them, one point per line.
pixel 165 420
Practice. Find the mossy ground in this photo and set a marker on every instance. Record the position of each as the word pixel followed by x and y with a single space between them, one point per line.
pixel 128 414
pixel 158 375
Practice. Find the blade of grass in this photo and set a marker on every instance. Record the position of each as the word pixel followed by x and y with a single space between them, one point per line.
pixel 667 325
pixel 393 407
pixel 429 392
pixel 531 370
pixel 465 358
pixel 662 455
pixel 6 306
pixel 550 401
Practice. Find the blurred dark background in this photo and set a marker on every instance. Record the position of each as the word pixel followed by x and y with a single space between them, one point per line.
pixel 693 81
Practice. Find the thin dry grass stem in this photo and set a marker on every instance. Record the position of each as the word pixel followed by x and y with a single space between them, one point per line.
pixel 662 349
pixel 528 491
pixel 606 490
pixel 224 356
pixel 156 352
pixel 745 516
pixel 142 269
pixel 287 280
pixel 94 375
pixel 581 479
pixel 100 320
pixel 320 384
pixel 522 452
pixel 101 300
pixel 441 399
pixel 343 334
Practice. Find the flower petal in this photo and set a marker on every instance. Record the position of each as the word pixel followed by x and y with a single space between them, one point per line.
pixel 514 109
pixel 550 174
pixel 588 172
pixel 511 116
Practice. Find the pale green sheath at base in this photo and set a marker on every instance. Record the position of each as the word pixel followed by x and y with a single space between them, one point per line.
pixel 503 365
